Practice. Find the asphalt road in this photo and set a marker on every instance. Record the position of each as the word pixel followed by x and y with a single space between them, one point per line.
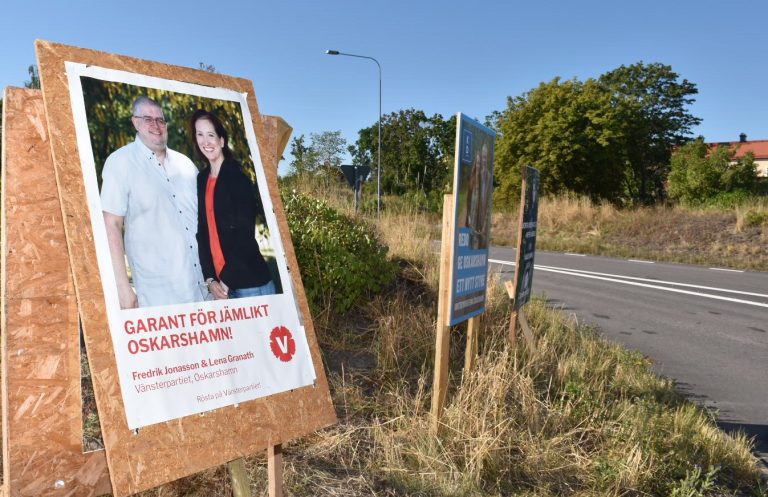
pixel 703 327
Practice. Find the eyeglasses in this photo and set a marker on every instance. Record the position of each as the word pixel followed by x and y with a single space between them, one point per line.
pixel 159 121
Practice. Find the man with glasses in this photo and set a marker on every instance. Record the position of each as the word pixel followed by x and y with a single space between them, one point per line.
pixel 149 202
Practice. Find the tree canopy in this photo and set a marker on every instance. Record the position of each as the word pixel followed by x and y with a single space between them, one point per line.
pixel 608 138
pixel 417 151
pixel 569 131
pixel 322 157
pixel 652 103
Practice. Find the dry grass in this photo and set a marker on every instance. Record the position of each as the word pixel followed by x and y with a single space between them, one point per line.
pixel 736 238
pixel 577 417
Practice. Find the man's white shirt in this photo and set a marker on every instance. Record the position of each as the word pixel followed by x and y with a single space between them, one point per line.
pixel 158 202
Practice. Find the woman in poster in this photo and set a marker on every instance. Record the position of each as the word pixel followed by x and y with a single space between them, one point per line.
pixel 232 263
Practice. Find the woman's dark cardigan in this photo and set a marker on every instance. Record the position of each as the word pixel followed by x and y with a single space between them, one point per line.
pixel 234 207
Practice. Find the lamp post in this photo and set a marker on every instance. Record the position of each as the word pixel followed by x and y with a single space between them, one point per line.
pixel 378 168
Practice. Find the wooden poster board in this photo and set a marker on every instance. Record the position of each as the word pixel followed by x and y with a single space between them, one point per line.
pixel 41 408
pixel 166 451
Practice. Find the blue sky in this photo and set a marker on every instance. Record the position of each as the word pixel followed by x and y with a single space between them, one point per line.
pixel 441 57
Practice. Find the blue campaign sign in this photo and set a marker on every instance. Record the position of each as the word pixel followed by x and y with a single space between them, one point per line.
pixel 473 192
pixel 466 145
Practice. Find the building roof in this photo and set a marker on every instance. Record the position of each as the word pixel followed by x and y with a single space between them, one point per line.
pixel 759 148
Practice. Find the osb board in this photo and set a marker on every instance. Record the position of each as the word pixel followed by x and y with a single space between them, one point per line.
pixel 166 451
pixel 41 398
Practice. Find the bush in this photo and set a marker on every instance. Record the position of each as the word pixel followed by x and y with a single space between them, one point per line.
pixel 755 218
pixel 339 257
pixel 700 175
pixel 729 200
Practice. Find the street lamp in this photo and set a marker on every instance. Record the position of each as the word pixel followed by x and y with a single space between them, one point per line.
pixel 378 169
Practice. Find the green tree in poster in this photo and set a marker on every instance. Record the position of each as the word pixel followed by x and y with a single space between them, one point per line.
pixel 108 111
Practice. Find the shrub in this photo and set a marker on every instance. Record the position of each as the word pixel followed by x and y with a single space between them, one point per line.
pixel 729 200
pixel 755 218
pixel 339 257
pixel 700 175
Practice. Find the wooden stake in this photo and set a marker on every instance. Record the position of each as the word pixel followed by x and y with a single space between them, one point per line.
pixel 443 336
pixel 512 333
pixel 239 477
pixel 470 354
pixel 275 470
pixel 527 332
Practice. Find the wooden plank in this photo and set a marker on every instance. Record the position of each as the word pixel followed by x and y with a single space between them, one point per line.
pixel 510 286
pixel 527 332
pixel 442 329
pixel 166 451
pixel 238 476
pixel 275 470
pixel 518 261
pixel 279 132
pixel 41 397
pixel 512 331
pixel 470 352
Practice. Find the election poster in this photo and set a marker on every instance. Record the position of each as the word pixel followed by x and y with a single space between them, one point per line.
pixel 526 242
pixel 473 193
pixel 198 297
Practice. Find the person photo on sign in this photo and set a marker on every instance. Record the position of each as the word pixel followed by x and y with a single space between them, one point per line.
pixel 231 260
pixel 478 199
pixel 149 204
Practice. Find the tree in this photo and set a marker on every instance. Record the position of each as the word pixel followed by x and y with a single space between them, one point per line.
pixel 653 103
pixel 325 153
pixel 34 78
pixel 698 173
pixel 569 131
pixel 417 151
pixel 300 164
pixel 608 138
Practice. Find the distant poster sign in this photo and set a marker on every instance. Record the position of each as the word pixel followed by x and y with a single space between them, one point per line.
pixel 473 191
pixel 186 338
pixel 526 243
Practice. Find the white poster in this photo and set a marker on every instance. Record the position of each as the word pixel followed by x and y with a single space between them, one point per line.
pixel 198 296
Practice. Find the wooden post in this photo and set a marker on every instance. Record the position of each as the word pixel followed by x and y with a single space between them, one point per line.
pixel 239 478
pixel 443 337
pixel 470 354
pixel 512 333
pixel 275 470
pixel 527 332
pixel 512 286
pixel 518 315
